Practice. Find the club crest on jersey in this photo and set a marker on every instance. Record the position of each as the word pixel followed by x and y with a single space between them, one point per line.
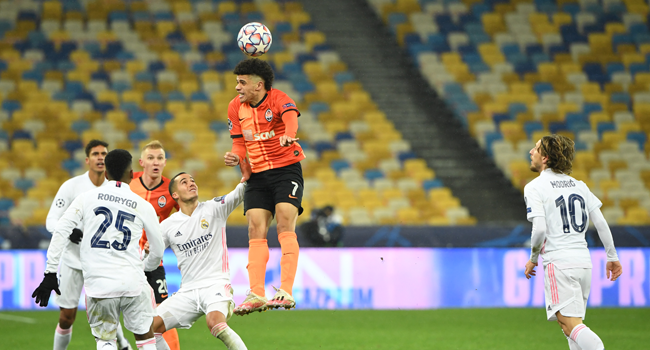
pixel 162 201
pixel 204 224
pixel 268 115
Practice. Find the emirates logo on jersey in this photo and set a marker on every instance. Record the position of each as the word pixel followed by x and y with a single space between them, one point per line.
pixel 204 224
pixel 268 115
pixel 162 201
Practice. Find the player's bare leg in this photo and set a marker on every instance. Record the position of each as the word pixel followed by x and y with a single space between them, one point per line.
pixel 259 221
pixel 147 341
pixel 579 333
pixel 63 332
pixel 158 328
pixel 286 215
pixel 171 338
pixel 219 328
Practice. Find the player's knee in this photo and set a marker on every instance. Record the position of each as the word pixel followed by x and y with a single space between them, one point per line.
pixel 66 318
pixel 158 325
pixel 256 230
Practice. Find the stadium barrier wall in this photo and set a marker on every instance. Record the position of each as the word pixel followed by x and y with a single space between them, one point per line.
pixel 383 278
pixel 484 236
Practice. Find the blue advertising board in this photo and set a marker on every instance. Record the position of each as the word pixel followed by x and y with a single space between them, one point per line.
pixel 383 278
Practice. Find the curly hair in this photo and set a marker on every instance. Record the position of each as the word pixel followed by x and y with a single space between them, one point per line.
pixel 560 151
pixel 255 66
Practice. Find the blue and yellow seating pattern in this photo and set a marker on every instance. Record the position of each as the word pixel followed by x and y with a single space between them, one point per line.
pixel 131 71
pixel 514 71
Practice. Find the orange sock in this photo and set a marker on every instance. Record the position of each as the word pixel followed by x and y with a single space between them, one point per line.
pixel 258 256
pixel 289 260
pixel 171 337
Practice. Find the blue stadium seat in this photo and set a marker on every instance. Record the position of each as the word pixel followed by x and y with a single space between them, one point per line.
pixel 23 184
pixel 339 164
pixel 373 174
pixel 531 126
pixel 430 184
pixel 639 137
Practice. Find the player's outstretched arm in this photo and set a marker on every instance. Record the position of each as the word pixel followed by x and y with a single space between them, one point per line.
pixel 154 237
pixel 66 224
pixel 245 168
pixel 614 268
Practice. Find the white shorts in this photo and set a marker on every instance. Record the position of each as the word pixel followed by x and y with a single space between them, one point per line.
pixel 566 291
pixel 183 308
pixel 104 314
pixel 71 281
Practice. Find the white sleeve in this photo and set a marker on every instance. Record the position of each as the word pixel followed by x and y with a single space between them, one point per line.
pixel 155 238
pixel 537 237
pixel 226 204
pixel 534 203
pixel 604 233
pixel 70 219
pixel 61 202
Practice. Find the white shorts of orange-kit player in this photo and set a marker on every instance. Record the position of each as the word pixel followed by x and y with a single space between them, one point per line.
pixel 566 291
pixel 104 313
pixel 184 307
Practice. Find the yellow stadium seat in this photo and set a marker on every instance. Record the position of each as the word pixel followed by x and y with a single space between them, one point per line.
pixel 635 216
pixel 409 216
pixel 630 58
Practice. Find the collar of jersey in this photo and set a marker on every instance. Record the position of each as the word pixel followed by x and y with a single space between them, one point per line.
pixel 123 183
pixel 261 101
pixel 162 180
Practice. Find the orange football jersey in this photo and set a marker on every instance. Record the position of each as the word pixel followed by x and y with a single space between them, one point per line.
pixel 158 196
pixel 261 126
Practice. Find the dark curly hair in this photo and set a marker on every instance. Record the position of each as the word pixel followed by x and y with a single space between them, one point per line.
pixel 560 151
pixel 118 162
pixel 255 66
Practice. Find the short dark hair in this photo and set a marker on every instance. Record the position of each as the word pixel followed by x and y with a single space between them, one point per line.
pixel 94 143
pixel 172 183
pixel 255 66
pixel 117 161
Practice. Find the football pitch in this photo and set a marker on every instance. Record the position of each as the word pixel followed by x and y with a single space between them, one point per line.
pixel 364 329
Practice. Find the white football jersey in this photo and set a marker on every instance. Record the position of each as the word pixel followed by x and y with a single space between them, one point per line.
pixel 112 218
pixel 64 197
pixel 565 204
pixel 199 241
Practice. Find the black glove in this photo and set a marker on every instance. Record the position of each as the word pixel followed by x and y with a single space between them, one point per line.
pixel 49 284
pixel 76 236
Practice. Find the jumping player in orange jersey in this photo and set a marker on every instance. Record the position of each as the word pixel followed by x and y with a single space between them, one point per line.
pixel 152 186
pixel 264 122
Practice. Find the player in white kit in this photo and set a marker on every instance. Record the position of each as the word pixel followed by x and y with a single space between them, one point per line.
pixel 113 218
pixel 70 270
pixel 197 235
pixel 560 208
